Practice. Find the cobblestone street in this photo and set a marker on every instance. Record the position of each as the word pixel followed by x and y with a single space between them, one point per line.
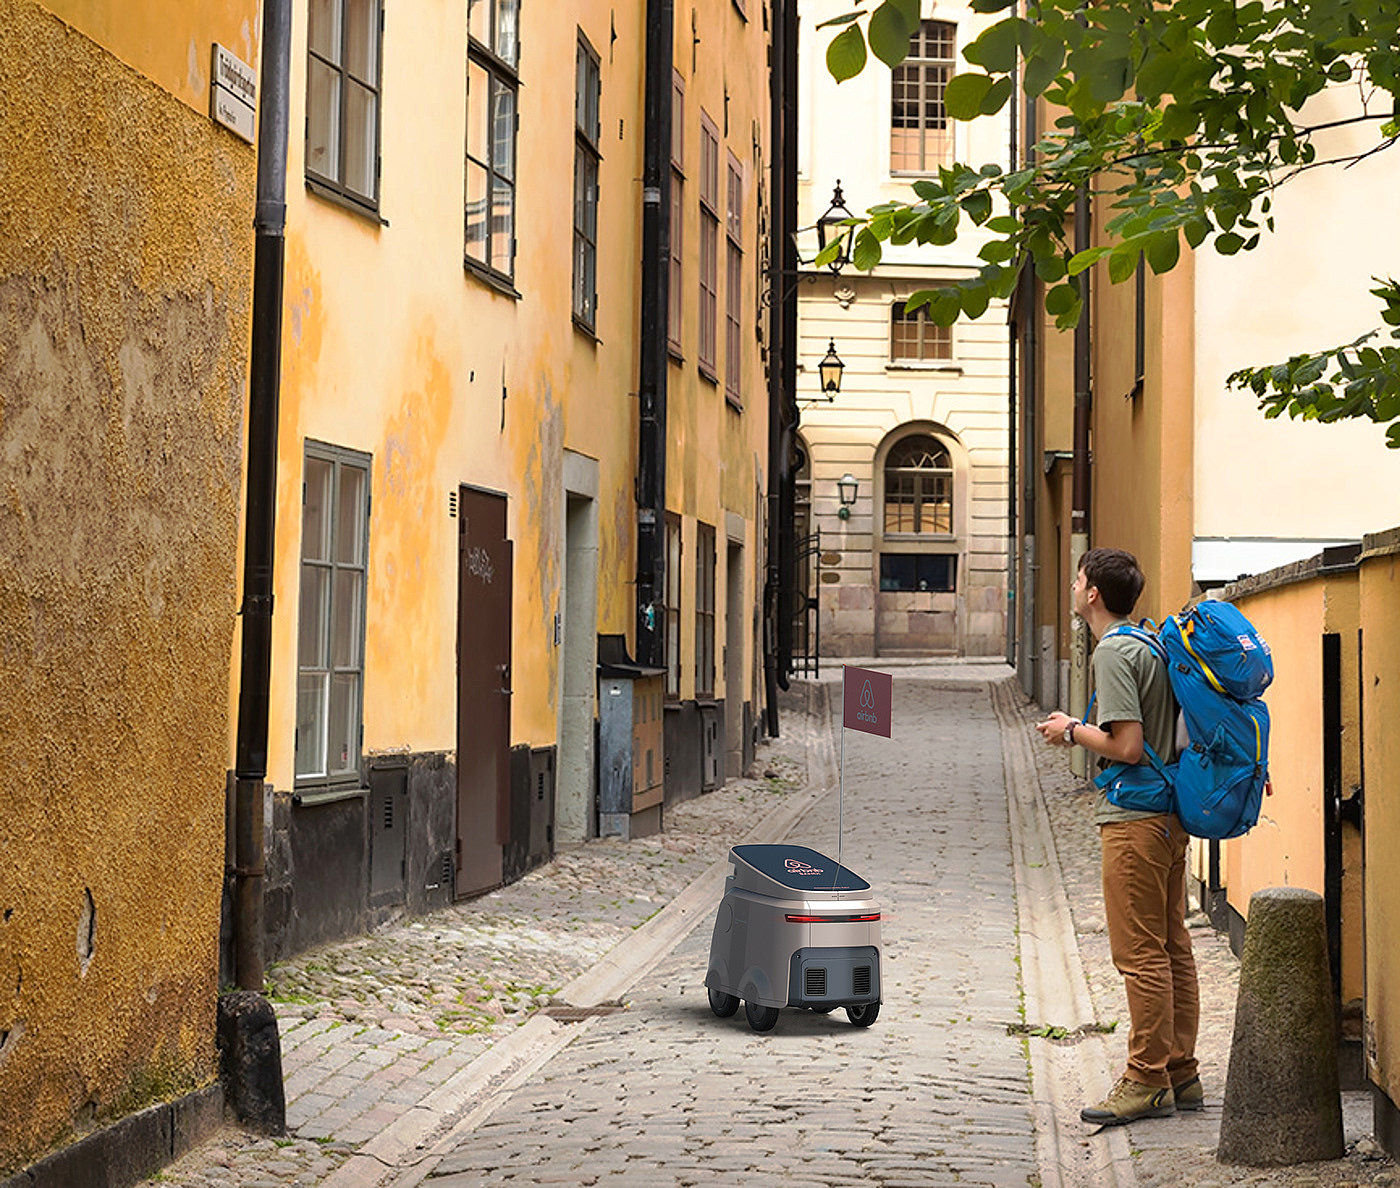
pixel 447 1051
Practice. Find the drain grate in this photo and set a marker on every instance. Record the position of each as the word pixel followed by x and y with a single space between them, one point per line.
pixel 573 1014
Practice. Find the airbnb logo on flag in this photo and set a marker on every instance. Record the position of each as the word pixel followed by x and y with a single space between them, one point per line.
pixel 867 698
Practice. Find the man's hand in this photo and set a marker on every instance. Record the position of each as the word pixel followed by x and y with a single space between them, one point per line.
pixel 1053 728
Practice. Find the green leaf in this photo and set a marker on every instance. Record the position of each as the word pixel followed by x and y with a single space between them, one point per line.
pixel 1122 263
pixel 1228 243
pixel 1061 299
pixel 1042 69
pixel 1085 259
pixel 975 298
pixel 1178 122
pixel 978 205
pixel 995 99
pixel 997 251
pixel 843 19
pixel 1050 269
pixel 889 34
pixel 990 5
pixel 845 56
pixel 945 307
pixel 964 94
pixel 910 9
pixel 1155 77
pixel 866 252
pixel 1163 251
pixel 995 50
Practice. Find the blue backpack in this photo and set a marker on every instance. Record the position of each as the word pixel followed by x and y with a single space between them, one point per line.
pixel 1218 666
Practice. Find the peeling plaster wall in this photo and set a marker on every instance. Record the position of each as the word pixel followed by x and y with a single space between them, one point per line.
pixel 125 260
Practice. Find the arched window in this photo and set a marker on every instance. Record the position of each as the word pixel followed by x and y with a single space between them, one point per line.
pixel 919 487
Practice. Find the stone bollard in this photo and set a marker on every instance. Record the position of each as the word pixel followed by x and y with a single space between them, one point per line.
pixel 250 1061
pixel 1283 1102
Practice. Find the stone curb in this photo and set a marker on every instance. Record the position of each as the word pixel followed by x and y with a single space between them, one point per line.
pixel 474 1093
pixel 1056 989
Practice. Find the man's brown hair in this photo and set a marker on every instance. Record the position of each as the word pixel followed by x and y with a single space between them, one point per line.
pixel 1116 574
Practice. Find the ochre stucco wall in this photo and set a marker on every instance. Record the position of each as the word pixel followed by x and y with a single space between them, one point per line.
pixel 1380 680
pixel 1285 849
pixel 125 258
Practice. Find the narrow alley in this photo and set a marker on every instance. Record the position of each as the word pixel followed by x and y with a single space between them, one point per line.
pixel 589 1054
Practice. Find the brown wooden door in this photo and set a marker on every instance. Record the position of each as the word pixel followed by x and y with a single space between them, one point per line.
pixel 483 690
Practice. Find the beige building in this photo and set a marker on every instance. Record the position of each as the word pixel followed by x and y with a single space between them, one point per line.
pixel 918 563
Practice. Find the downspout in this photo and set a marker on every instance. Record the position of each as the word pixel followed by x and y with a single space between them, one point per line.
pixel 651 388
pixel 782 366
pixel 1030 346
pixel 265 368
pixel 1013 339
pixel 1079 514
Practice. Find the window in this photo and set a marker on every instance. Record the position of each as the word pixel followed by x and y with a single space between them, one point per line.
pixel 919 487
pixel 734 285
pixel 923 572
pixel 674 304
pixel 917 338
pixel 673 606
pixel 342 98
pixel 709 246
pixel 704 611
pixel 921 134
pixel 493 55
pixel 331 626
pixel 587 85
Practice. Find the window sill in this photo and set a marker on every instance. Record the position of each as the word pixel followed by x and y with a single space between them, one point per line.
pixel 492 280
pixel 675 352
pixel 323 795
pixel 946 368
pixel 584 330
pixel 710 377
pixel 733 403
pixel 335 198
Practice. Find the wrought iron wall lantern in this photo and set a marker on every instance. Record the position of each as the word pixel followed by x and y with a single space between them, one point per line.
pixel 830 369
pixel 846 488
pixel 831 227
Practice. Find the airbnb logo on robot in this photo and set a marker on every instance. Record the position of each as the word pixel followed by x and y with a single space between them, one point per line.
pixel 867 698
pixel 797 866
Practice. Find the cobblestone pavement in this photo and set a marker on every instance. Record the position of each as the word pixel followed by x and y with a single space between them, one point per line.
pixel 935 1093
pixel 662 1092
pixel 1172 1151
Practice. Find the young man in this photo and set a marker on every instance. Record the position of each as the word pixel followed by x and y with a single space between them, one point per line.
pixel 1144 854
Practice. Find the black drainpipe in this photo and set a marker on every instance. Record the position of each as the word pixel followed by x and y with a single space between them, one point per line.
pixel 1013 334
pixel 656 265
pixel 265 366
pixel 782 366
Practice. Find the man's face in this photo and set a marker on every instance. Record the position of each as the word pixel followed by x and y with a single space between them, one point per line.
pixel 1080 594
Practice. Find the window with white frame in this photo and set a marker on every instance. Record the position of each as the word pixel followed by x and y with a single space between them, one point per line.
pixel 674 303
pixel 331 621
pixel 708 347
pixel 917 338
pixel 673 606
pixel 493 59
pixel 921 132
pixel 343 48
pixel 587 94
pixel 704 610
pixel 919 487
pixel 734 284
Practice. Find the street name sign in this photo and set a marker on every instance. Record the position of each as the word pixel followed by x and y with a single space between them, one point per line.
pixel 233 94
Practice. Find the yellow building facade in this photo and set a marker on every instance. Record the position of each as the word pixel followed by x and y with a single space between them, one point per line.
pixel 457 506
pixel 125 257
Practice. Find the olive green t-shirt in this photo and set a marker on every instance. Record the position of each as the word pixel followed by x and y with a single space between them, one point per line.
pixel 1131 685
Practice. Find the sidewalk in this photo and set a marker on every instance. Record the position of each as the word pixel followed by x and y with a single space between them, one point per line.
pixel 391 1041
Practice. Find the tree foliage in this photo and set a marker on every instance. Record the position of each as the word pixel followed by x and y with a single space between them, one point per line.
pixel 1183 118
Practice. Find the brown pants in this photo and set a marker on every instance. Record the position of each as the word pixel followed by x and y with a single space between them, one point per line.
pixel 1144 892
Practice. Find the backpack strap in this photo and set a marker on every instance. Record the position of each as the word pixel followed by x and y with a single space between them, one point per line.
pixel 1113 770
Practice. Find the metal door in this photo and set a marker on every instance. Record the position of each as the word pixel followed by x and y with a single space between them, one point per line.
pixel 483 690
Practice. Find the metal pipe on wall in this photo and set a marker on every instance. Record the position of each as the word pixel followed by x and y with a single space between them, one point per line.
pixel 264 392
pixel 1079 514
pixel 651 389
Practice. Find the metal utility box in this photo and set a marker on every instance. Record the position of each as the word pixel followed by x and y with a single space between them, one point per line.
pixel 794 929
pixel 630 749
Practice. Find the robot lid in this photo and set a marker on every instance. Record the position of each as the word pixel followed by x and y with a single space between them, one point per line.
pixel 779 870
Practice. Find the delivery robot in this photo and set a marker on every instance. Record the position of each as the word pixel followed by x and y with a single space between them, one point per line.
pixel 794 929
